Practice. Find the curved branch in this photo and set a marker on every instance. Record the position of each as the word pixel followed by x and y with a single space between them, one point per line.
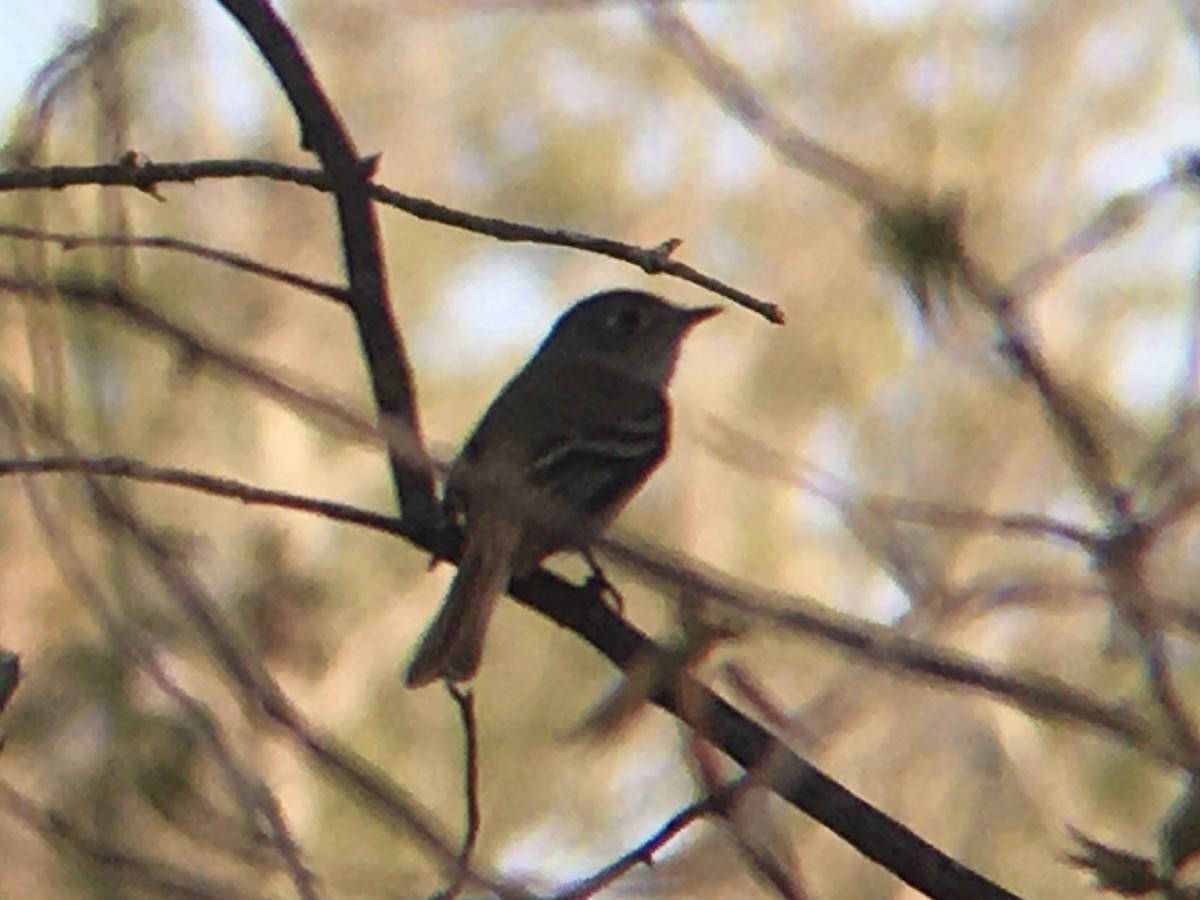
pixel 322 132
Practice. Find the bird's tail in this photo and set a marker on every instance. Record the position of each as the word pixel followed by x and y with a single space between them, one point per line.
pixel 453 646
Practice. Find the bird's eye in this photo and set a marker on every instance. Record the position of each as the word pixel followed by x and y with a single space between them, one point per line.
pixel 626 321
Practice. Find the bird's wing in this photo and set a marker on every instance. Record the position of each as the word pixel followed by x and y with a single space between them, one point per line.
pixel 597 463
pixel 586 439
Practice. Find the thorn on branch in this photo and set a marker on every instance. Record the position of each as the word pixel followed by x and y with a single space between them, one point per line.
pixel 600 586
pixel 654 259
pixel 135 164
pixel 369 165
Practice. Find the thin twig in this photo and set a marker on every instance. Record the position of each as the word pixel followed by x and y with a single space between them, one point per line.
pixel 1040 695
pixel 1115 219
pixel 643 853
pixel 760 860
pixel 753 455
pixel 464 700
pixel 730 87
pixel 1120 555
pixel 50 81
pixel 1121 562
pixel 750 689
pixel 164 242
pixel 1087 450
pixel 135 470
pixel 192 345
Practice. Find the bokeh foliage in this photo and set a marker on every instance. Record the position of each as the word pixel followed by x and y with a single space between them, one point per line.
pixel 1025 119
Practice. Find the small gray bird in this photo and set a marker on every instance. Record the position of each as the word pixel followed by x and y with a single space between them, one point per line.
pixel 556 456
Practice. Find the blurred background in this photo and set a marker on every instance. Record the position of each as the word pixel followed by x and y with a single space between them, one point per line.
pixel 1051 127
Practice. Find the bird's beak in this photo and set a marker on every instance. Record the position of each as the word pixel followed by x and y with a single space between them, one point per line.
pixel 694 317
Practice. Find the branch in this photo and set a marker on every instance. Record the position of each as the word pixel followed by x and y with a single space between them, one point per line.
pixel 872 832
pixel 193 346
pixel 754 456
pixel 1045 697
pixel 1041 695
pixel 1120 556
pixel 730 87
pixel 145 176
pixel 643 853
pixel 465 701
pixel 762 854
pixel 322 132
pixel 163 242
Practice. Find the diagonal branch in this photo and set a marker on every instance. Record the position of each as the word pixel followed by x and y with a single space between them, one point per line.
pixel 643 853
pixel 872 832
pixel 323 133
pixel 730 87
pixel 1047 698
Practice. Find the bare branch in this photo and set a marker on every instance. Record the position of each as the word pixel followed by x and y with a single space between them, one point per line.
pixel 194 346
pixel 730 87
pixel 146 176
pixel 1114 220
pixel 164 242
pixel 54 77
pixel 322 132
pixel 643 853
pixel 465 702
pixel 1037 694
pixel 751 454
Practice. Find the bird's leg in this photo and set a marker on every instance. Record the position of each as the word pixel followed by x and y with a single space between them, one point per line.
pixel 598 583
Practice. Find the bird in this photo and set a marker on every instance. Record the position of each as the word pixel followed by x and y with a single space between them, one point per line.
pixel 556 456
